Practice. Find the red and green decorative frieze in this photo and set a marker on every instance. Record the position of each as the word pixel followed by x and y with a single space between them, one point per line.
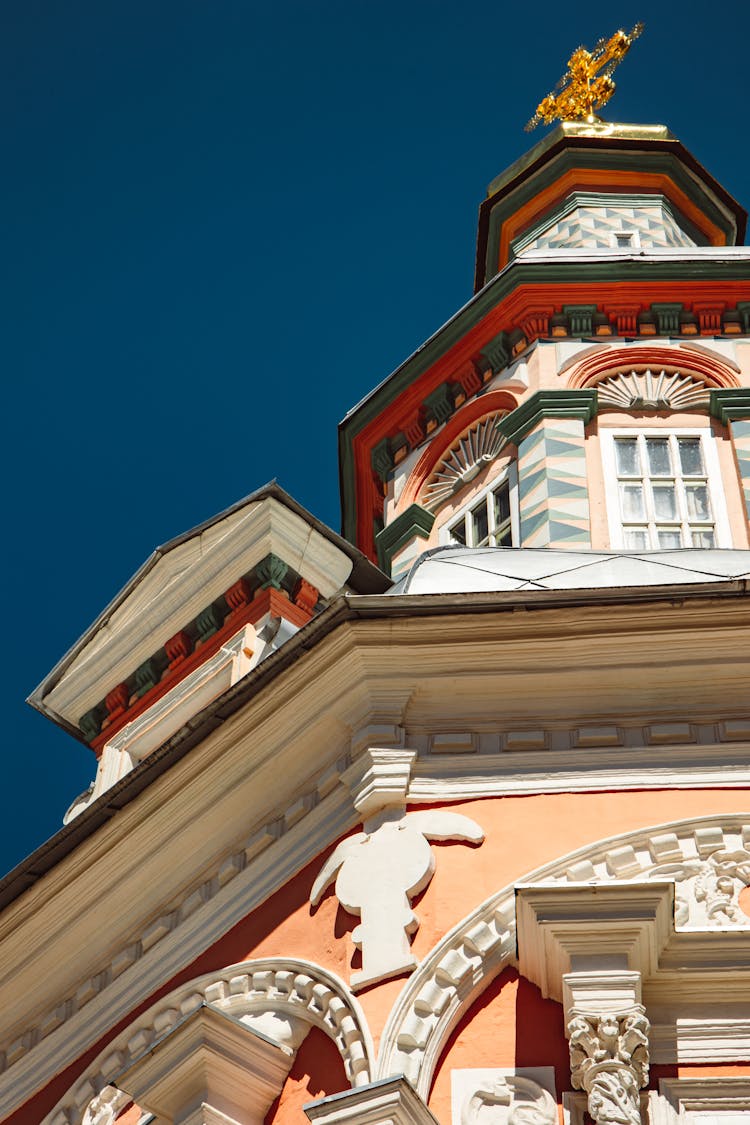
pixel 271 588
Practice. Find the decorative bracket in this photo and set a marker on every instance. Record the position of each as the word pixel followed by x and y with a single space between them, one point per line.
pixel 609 1052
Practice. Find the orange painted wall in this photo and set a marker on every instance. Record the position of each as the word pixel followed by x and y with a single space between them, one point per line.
pixel 318 1070
pixel 521 834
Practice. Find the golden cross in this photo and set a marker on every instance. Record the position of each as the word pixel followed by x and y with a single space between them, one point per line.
pixel 587 84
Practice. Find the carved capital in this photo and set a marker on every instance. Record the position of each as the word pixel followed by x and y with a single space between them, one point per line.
pixel 609 1060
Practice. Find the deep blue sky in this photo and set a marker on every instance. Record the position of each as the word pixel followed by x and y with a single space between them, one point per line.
pixel 224 223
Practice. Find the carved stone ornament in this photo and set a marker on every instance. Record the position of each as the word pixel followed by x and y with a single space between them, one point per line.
pixel 646 390
pixel 509 1100
pixel 707 891
pixel 464 460
pixel 378 871
pixel 609 1060
pixel 104 1108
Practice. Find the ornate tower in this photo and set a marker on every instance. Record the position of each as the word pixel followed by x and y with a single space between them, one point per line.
pixel 610 308
pixel 470 847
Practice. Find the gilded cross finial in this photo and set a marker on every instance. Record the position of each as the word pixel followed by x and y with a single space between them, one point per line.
pixel 587 84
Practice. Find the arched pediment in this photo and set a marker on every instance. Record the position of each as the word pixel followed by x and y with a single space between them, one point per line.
pixel 438 453
pixel 702 863
pixel 677 376
pixel 280 998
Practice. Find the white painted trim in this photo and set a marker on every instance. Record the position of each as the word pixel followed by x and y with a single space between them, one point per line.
pixel 713 475
pixel 681 766
pixel 181 585
pixel 510 473
pixel 155 725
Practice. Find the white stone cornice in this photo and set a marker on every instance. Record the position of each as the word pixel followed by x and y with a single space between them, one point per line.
pixel 181 583
pixel 562 926
pixel 589 769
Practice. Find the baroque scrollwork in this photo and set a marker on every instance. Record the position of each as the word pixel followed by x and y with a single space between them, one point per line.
pixel 609 1060
pixel 707 891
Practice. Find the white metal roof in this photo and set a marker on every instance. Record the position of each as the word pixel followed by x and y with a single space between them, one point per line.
pixel 449 570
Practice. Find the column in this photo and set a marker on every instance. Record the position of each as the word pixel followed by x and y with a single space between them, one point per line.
pixel 608 1031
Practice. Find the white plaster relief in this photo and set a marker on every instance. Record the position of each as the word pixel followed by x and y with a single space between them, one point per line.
pixel 609 1060
pixel 481 444
pixel 471 955
pixel 520 1096
pixel 707 892
pixel 297 991
pixel 378 871
pixel 661 390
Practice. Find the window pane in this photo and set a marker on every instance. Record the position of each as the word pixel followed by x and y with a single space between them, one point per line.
pixel 502 505
pixel 703 537
pixel 691 459
pixel 503 537
pixel 631 499
pixel 659 461
pixel 636 538
pixel 665 502
pixel 627 458
pixel 669 537
pixel 480 525
pixel 458 533
pixel 698 505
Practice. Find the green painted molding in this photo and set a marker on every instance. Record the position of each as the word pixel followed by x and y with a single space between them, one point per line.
pixel 547 404
pixel 581 319
pixel 730 405
pixel 496 354
pixel 667 317
pixel 415 521
pixel 439 404
pixel 271 571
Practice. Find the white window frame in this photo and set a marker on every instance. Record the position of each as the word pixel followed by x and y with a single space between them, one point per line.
pixel 633 243
pixel 509 474
pixel 713 478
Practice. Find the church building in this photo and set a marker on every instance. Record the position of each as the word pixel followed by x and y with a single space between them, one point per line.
pixel 442 820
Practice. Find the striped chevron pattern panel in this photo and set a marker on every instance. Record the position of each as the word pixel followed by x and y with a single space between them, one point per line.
pixel 553 494
pixel 740 431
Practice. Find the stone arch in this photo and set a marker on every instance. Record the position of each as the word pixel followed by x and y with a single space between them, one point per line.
pixel 458 969
pixel 698 366
pixel 494 402
pixel 278 996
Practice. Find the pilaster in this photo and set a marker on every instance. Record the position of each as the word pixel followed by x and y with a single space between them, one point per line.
pixel 553 492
